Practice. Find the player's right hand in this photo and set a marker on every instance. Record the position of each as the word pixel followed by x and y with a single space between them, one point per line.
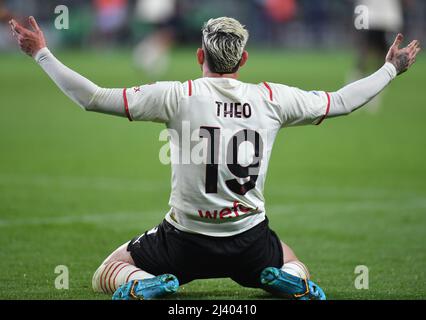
pixel 403 58
pixel 30 41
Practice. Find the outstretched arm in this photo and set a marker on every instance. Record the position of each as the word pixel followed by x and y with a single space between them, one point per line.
pixel 357 94
pixel 81 90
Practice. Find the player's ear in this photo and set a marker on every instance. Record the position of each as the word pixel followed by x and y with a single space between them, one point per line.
pixel 244 58
pixel 200 56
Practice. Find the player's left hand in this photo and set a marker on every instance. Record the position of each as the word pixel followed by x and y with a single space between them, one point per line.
pixel 403 58
pixel 30 41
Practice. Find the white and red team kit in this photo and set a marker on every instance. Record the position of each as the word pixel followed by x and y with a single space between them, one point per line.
pixel 236 124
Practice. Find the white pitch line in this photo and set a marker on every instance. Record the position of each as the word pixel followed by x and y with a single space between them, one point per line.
pixel 140 184
pixel 99 218
pixel 348 206
pixel 282 190
pixel 105 183
pixel 360 207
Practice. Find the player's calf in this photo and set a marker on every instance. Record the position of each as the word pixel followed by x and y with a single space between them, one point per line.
pixel 119 276
pixel 118 269
pixel 110 276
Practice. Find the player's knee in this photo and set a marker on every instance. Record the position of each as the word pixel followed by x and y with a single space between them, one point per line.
pixel 96 281
pixel 288 254
pixel 119 255
pixel 101 274
pixel 292 264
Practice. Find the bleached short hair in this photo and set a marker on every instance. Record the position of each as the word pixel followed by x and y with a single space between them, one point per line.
pixel 224 41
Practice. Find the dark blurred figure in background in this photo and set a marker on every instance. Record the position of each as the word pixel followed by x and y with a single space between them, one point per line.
pixel 151 54
pixel 268 17
pixel 159 24
pixel 384 19
pixel 5 15
pixel 315 18
pixel 111 18
pixel 281 10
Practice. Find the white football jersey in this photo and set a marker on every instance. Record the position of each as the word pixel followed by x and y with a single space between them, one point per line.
pixel 221 136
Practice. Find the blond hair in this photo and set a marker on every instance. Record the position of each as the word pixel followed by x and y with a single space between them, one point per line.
pixel 224 40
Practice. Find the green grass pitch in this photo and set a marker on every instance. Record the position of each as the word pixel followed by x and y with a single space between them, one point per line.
pixel 75 185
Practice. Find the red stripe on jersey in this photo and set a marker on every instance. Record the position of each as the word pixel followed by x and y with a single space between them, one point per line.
pixel 189 87
pixel 269 89
pixel 327 110
pixel 126 105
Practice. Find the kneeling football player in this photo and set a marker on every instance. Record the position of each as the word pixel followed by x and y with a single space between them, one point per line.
pixel 217 225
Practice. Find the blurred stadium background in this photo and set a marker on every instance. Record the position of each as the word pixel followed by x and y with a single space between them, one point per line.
pixel 74 185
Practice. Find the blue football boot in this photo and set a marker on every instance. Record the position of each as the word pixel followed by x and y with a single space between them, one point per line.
pixel 286 285
pixel 147 289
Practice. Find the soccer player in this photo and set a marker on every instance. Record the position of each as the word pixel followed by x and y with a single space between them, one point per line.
pixel 217 225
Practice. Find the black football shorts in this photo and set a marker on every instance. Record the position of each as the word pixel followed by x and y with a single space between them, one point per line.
pixel 192 256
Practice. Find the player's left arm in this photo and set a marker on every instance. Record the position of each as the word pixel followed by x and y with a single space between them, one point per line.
pixel 298 107
pixel 357 94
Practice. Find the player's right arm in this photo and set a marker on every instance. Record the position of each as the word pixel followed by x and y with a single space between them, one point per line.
pixel 157 102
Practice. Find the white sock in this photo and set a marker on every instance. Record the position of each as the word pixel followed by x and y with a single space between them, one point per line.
pixel 110 276
pixel 296 268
